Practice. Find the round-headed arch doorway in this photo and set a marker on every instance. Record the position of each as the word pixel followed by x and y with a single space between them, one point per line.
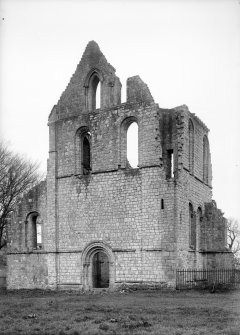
pixel 100 270
pixel 98 266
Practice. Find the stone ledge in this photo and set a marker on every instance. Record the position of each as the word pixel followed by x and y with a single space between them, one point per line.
pixel 152 249
pixel 215 251
pixel 123 250
pixel 44 252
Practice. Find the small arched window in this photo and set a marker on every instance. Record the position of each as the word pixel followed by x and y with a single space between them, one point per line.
pixel 192 228
pixel 191 146
pixel 83 151
pixel 205 160
pixel 129 143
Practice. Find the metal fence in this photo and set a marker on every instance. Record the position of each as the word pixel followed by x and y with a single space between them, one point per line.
pixel 207 278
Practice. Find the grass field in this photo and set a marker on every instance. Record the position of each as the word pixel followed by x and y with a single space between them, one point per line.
pixel 140 312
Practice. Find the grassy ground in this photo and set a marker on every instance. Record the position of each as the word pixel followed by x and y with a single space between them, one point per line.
pixel 141 312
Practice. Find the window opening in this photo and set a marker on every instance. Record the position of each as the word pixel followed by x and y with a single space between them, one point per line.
pixel 198 227
pixel 83 151
pixel 191 146
pixel 94 92
pixel 192 228
pixel 170 164
pixel 39 234
pixel 205 159
pixel 33 232
pixel 132 145
pixel 162 203
pixel 85 155
pixel 199 212
pixel 98 96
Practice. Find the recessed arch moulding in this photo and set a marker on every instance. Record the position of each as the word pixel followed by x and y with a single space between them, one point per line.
pixel 87 261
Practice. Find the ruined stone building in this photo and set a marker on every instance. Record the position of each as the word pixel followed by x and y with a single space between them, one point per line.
pixel 96 221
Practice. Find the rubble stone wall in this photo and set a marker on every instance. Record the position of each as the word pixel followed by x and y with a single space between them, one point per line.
pixel 138 218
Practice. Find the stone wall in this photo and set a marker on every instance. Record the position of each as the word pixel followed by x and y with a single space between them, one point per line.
pixel 25 266
pixel 19 232
pixel 139 218
pixel 27 271
pixel 213 229
pixel 3 268
pixel 107 138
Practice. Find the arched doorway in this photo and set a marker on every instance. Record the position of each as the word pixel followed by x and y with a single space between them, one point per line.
pixel 100 270
pixel 98 266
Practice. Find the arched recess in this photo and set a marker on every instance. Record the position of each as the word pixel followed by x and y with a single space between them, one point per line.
pixel 192 227
pixel 93 82
pixel 191 146
pixel 83 151
pixel 33 231
pixel 126 149
pixel 205 159
pixel 89 255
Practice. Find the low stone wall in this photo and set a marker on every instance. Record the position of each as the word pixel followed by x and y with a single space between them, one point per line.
pixel 71 270
pixel 27 271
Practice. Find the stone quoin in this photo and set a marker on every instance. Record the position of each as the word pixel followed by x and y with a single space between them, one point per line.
pixel 97 222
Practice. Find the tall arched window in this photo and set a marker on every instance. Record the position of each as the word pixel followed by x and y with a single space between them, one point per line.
pixel 198 227
pixel 33 231
pixel 205 160
pixel 129 143
pixel 192 228
pixel 93 90
pixel 98 96
pixel 83 151
pixel 86 154
pixel 170 164
pixel 132 144
pixel 191 146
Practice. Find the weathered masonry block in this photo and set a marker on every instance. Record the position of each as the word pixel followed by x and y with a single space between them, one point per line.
pixel 98 222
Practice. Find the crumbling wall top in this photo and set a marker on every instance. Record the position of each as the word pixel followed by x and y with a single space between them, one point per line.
pixel 138 91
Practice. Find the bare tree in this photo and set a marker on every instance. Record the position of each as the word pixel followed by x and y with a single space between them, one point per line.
pixel 17 176
pixel 233 235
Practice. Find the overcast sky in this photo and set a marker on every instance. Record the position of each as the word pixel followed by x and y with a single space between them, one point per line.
pixel 188 52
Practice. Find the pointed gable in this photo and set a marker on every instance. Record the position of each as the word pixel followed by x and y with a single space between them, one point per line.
pixel 93 70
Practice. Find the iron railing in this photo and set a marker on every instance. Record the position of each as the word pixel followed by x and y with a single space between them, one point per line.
pixel 207 278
